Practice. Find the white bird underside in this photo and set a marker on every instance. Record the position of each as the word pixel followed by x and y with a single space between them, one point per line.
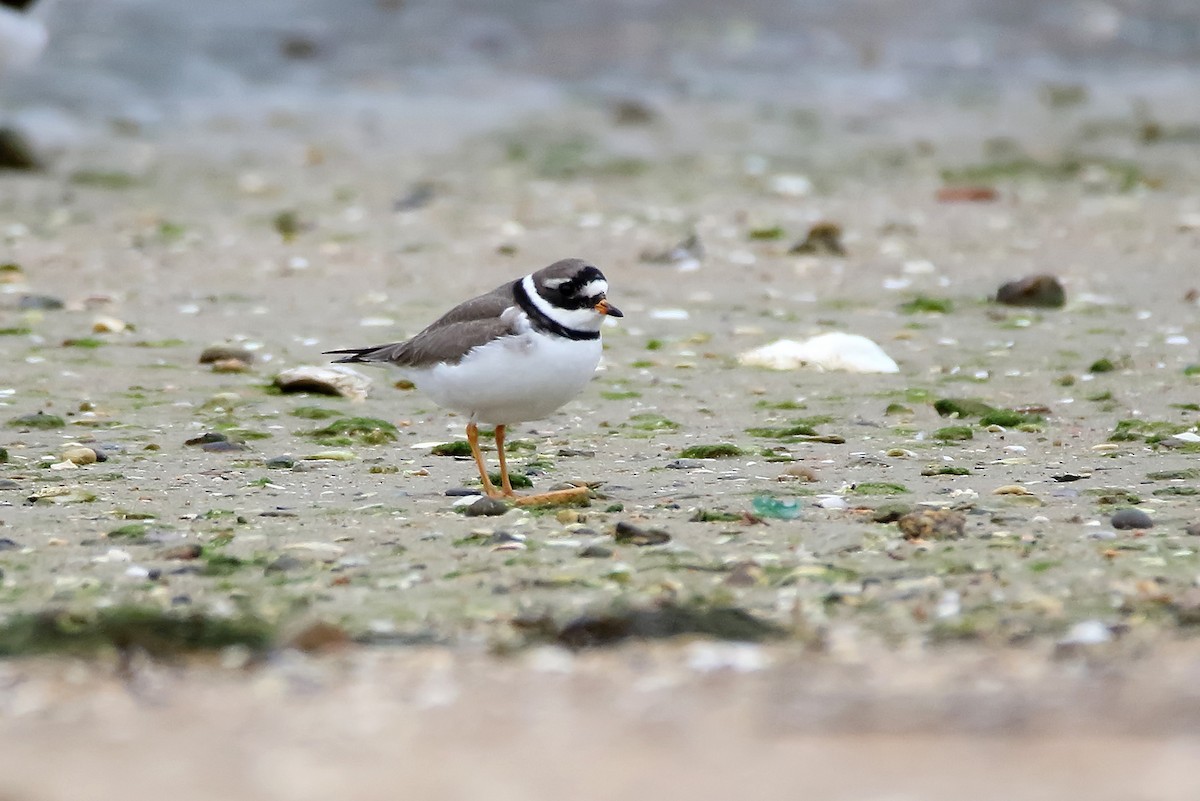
pixel 513 379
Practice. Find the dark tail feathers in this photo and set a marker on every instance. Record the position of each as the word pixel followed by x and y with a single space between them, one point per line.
pixel 352 355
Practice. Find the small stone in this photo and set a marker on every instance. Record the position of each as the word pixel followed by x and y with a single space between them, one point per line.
pixel 629 534
pixel 798 473
pixel 220 353
pixel 932 524
pixel 596 551
pixel 487 507
pixel 224 446
pixel 824 238
pixel 330 456
pixel 38 420
pixel 80 456
pixel 460 492
pixel 1192 530
pixel 182 552
pixel 1088 632
pixel 16 151
pixel 230 366
pixel 110 325
pixel 1011 489
pixel 1131 519
pixel 206 438
pixel 40 303
pixel 280 463
pixel 568 516
pixel 335 379
pixel 285 564
pixel 745 574
pixel 1039 291
pixel 318 637
pixel 8 484
pixel 685 464
pixel 7 544
pixel 890 512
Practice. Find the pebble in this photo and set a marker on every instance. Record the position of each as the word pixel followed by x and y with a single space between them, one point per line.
pixel 8 484
pixel 1192 530
pixel 1088 632
pixel 596 551
pixel 890 512
pixel 280 463
pixel 337 379
pixel 1130 518
pixel 833 351
pixel 1039 291
pixel 798 473
pixel 110 325
pixel 221 353
pixel 40 303
pixel 224 446
pixel 230 366
pixel 629 534
pixel 331 456
pixel 182 552
pixel 80 456
pixel 932 524
pixel 684 464
pixel 206 438
pixel 285 564
pixel 486 507
pixel 745 574
pixel 7 544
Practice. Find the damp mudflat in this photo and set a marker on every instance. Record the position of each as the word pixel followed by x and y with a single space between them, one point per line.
pixel 233 566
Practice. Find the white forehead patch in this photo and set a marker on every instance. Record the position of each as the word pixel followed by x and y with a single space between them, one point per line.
pixel 593 288
pixel 554 283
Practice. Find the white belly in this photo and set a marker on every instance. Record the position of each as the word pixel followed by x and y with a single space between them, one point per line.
pixel 512 380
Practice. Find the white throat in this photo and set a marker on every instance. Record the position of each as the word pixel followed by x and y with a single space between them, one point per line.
pixel 576 319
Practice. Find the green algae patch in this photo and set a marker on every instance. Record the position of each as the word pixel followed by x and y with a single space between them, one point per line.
pixel 659 621
pixel 126 628
pixel 878 488
pixel 457 448
pixel 351 430
pixel 315 413
pixel 954 433
pixel 924 304
pixel 719 451
pixel 38 420
pixel 650 421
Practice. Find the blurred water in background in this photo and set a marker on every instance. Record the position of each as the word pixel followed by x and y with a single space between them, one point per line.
pixel 158 64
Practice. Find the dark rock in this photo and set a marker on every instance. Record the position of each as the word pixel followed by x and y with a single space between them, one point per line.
pixel 501 537
pixel 221 353
pixel 932 524
pixel 1193 530
pixel 460 492
pixel 40 303
pixel 7 544
pixel 224 446
pixel 285 564
pixel 206 438
pixel 487 507
pixel 596 551
pixel 8 484
pixel 629 534
pixel 568 452
pixel 685 464
pixel 1130 519
pixel 280 463
pixel 16 151
pixel 1040 291
pixel 419 196
pixel 182 552
pixel 890 512
pixel 824 238
pixel 39 420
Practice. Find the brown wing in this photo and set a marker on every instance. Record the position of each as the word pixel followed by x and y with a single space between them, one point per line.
pixel 449 338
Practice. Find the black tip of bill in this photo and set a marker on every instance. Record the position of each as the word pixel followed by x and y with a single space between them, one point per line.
pixel 604 307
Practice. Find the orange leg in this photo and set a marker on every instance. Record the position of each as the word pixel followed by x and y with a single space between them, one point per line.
pixel 473 440
pixel 507 485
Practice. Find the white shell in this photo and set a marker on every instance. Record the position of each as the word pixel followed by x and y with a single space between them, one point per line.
pixel 833 351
